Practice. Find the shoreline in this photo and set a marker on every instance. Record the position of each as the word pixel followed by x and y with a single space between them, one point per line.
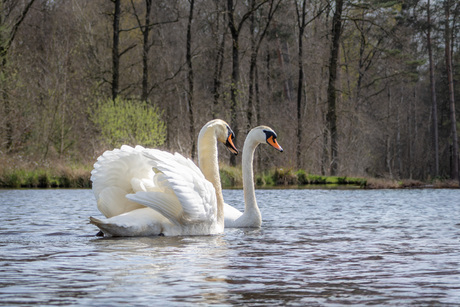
pixel 79 177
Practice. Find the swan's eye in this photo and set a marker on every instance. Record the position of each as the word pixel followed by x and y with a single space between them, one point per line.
pixel 269 133
pixel 230 131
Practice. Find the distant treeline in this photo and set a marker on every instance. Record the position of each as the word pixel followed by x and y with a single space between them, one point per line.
pixel 352 88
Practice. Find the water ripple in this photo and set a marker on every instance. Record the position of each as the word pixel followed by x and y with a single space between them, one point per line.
pixel 315 248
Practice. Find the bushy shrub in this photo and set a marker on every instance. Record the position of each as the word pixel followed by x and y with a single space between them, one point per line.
pixel 356 181
pixel 230 176
pixel 128 122
pixel 302 177
pixel 265 179
pixel 316 179
pixel 284 176
pixel 10 180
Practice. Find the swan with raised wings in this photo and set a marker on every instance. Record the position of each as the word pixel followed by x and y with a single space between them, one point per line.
pixel 146 192
pixel 251 217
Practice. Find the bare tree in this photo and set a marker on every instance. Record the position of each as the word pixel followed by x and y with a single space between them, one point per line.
pixel 115 48
pixel 235 30
pixel 7 37
pixel 146 28
pixel 257 38
pixel 434 107
pixel 301 24
pixel 331 116
pixel 190 78
pixel 219 34
pixel 145 50
pixel 450 81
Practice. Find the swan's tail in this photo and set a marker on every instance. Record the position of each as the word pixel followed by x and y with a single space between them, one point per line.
pixel 107 228
pixel 118 228
pixel 112 229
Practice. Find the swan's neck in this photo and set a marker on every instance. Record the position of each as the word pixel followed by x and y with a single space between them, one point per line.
pixel 209 165
pixel 250 203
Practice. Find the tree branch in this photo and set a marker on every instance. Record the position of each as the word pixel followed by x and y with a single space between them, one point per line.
pixel 127 49
pixel 16 25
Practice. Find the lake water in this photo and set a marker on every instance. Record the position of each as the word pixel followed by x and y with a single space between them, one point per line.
pixel 315 248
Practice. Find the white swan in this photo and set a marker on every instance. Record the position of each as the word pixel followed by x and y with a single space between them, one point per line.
pixel 251 216
pixel 145 192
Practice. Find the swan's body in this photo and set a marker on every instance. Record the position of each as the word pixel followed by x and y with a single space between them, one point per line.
pixel 145 192
pixel 251 216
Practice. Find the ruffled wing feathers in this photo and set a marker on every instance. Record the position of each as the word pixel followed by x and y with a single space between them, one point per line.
pixel 196 198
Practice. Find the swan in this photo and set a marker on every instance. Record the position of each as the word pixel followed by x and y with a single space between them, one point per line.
pixel 147 192
pixel 251 216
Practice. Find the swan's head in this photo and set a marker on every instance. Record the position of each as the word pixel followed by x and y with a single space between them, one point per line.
pixel 223 133
pixel 265 135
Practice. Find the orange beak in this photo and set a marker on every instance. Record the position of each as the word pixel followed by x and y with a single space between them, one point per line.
pixel 230 144
pixel 272 141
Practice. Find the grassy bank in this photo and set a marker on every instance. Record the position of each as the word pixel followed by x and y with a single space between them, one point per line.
pixel 56 176
pixel 59 175
pixel 281 177
pixel 231 177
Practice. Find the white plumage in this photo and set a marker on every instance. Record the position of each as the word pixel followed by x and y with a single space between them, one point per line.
pixel 251 216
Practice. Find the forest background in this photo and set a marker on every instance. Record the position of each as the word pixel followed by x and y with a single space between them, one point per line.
pixel 352 88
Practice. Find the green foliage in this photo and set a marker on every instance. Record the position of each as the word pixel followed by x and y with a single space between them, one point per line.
pixel 265 179
pixel 23 178
pixel 357 181
pixel 230 176
pixel 302 177
pixel 55 175
pixel 129 122
pixel 316 179
pixel 284 176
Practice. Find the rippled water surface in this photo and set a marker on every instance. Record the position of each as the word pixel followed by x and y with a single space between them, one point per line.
pixel 315 248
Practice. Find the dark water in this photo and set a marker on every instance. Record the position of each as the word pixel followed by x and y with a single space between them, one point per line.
pixel 316 248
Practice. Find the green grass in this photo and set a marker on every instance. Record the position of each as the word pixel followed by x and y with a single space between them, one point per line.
pixel 60 175
pixel 231 177
pixel 45 178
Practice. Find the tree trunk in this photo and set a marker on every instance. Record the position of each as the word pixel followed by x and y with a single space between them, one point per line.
pixel 252 68
pixel 190 79
pixel 4 87
pixel 145 51
pixel 301 25
pixel 388 156
pixel 218 68
pixel 331 116
pixel 398 137
pixel 115 49
pixel 434 107
pixel 235 78
pixel 325 153
pixel 450 80
pixel 257 94
pixel 6 102
pixel 284 61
